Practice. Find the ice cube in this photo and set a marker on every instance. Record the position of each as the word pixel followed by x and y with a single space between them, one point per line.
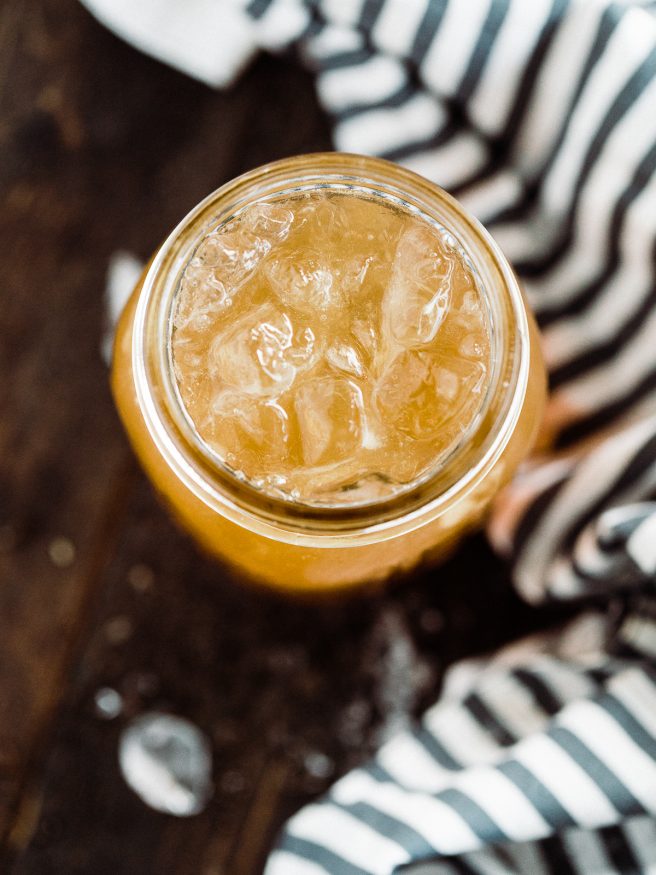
pixel 446 383
pixel 331 419
pixel 247 431
pixel 422 396
pixel 471 346
pixel 201 299
pixel 417 297
pixel 324 215
pixel 345 358
pixel 268 221
pixel 261 353
pixel 231 254
pixel 167 761
pixel 301 281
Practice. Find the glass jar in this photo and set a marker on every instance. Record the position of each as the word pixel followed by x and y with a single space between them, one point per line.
pixel 279 542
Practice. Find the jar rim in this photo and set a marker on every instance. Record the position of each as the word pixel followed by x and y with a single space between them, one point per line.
pixel 183 449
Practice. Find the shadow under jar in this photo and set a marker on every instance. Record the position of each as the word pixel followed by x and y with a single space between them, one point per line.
pixel 355 479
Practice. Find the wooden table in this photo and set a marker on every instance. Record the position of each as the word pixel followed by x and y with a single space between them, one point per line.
pixel 103 149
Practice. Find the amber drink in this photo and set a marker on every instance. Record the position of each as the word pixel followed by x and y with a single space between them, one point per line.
pixel 328 372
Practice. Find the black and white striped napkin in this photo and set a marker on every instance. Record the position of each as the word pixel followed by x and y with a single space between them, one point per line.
pixel 540 116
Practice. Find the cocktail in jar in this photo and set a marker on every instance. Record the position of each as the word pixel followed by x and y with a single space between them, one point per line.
pixel 328 372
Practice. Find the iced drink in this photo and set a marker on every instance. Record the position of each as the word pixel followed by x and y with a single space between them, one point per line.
pixel 328 372
pixel 330 348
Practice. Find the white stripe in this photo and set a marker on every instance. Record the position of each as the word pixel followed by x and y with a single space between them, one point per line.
pixel 638 695
pixel 434 820
pixel 586 853
pixel 640 633
pixel 559 71
pixel 432 869
pixel 565 779
pixel 344 12
pixel 626 49
pixel 529 236
pixel 593 477
pixel 281 23
pixel 396 26
pixel 485 863
pixel 447 58
pixel 641 546
pixel 562 581
pixel 614 380
pixel 366 83
pixel 613 170
pixel 410 764
pixel 332 40
pixel 528 858
pixel 503 802
pixel 380 130
pixel 589 556
pixel 348 837
pixel 613 746
pixel 491 102
pixel 453 163
pixel 494 194
pixel 640 832
pixel 511 703
pixel 619 298
pixel 461 735
pixel 284 863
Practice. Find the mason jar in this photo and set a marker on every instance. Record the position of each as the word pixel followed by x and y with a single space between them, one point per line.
pixel 285 543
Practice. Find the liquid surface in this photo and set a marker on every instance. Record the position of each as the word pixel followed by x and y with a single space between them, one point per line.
pixel 330 348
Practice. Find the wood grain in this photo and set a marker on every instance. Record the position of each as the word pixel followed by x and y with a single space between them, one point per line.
pixel 104 149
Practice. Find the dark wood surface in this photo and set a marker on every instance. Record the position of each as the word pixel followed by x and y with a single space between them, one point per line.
pixel 103 149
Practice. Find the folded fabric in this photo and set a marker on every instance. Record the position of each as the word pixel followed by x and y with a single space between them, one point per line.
pixel 540 118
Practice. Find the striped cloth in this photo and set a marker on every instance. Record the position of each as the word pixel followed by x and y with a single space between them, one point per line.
pixel 540 116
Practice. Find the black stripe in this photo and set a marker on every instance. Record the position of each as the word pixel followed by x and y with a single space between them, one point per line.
pixel 489 721
pixel 538 795
pixel 642 175
pixel 350 58
pixel 530 75
pixel 496 15
pixel 633 728
pixel 378 773
pixel 557 857
pixel 428 27
pixel 619 851
pixel 634 468
pixel 478 820
pixel 331 862
pixel 622 102
pixel 312 29
pixel 539 689
pixel 607 349
pixel 371 9
pixel 439 138
pixel 461 866
pixel 397 98
pixel 413 842
pixel 257 8
pixel 607 781
pixel 611 16
pixel 641 460
pixel 534 513
pixel 616 575
pixel 605 415
pixel 601 674
pixel 433 746
pixel 532 186
pixel 493 164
